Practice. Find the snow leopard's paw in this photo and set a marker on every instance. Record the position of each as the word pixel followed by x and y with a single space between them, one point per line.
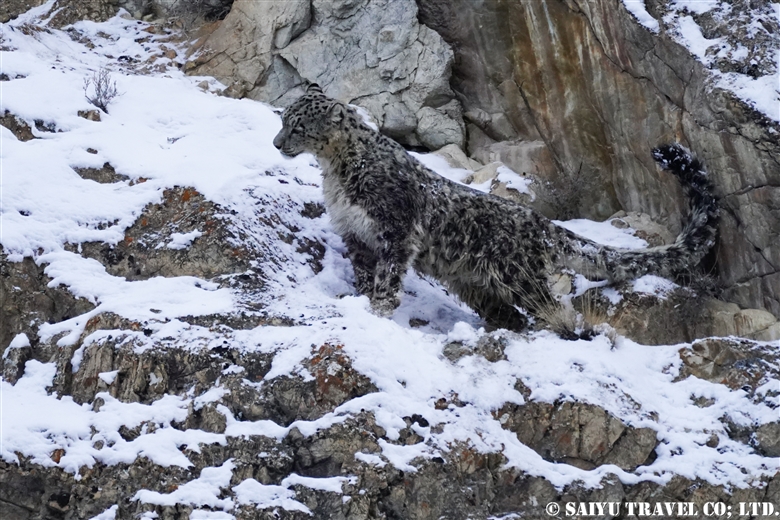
pixel 384 307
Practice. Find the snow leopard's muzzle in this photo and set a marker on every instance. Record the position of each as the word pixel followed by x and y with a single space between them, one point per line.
pixel 282 143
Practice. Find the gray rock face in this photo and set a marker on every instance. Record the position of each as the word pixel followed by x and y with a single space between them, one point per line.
pixel 27 301
pixel 372 53
pixel 155 245
pixel 19 128
pixel 600 91
pixel 68 12
pixel 579 434
pixel 738 364
pixel 239 50
pixel 10 9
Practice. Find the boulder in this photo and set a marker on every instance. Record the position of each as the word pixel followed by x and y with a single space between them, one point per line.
pixel 10 9
pixel 645 227
pixel 373 53
pixel 436 129
pixel 19 128
pixel 457 158
pixel 524 157
pixel 681 316
pixel 579 434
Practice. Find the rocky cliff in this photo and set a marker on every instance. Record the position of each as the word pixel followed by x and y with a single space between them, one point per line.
pixel 375 54
pixel 181 337
pixel 585 90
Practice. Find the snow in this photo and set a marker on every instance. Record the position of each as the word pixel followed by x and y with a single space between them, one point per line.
pixel 330 484
pixel 183 240
pixel 761 93
pixel 252 492
pixel 654 286
pixel 268 428
pixel 603 233
pixel 369 458
pixel 400 456
pixel 201 514
pixel 63 424
pixel 696 6
pixel 612 295
pixel 108 514
pixel 464 333
pixel 440 165
pixel 203 491
pixel 108 377
pixel 695 40
pixel 213 394
pixel 223 148
pixel 514 181
pixel 366 117
pixel 638 9
pixel 19 341
pixel 87 278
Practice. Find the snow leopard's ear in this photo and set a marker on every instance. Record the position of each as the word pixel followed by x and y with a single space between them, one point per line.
pixel 337 112
pixel 313 88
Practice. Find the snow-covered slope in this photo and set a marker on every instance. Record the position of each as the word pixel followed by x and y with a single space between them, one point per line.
pixel 167 129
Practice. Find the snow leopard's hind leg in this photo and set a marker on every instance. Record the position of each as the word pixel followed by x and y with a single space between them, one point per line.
pixel 503 316
pixel 495 310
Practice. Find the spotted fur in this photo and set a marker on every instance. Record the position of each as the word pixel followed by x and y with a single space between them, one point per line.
pixel 495 254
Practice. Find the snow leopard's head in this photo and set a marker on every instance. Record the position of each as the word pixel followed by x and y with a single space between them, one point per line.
pixel 311 123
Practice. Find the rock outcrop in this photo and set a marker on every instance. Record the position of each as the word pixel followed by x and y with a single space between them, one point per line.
pixel 582 435
pixel 10 9
pixel 371 53
pixel 461 482
pixel 27 301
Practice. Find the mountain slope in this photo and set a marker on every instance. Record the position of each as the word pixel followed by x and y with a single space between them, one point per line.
pixel 217 363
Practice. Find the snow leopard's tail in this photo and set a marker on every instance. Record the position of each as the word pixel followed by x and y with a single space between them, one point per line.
pixel 701 227
pixel 692 244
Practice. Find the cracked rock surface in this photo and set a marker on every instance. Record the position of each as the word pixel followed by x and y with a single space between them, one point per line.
pixel 600 91
pixel 371 53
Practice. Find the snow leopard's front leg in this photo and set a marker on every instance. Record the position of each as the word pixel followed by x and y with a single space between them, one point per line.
pixel 392 262
pixel 363 263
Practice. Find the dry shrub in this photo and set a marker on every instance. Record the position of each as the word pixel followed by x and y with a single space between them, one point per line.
pixel 103 89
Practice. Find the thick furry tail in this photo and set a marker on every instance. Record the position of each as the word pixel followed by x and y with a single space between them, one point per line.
pixel 701 226
pixel 692 244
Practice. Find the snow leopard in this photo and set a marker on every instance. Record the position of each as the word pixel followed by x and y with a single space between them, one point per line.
pixel 494 254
